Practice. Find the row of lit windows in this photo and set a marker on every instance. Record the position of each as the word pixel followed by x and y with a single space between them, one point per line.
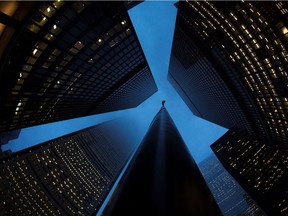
pixel 83 189
pixel 59 81
pixel 24 191
pixel 262 176
pixel 66 186
pixel 120 63
pixel 232 33
pixel 268 65
pixel 117 53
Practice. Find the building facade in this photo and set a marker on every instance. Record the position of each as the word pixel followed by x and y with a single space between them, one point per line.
pixel 162 177
pixel 229 64
pixel 261 170
pixel 70 175
pixel 63 60
pixel 229 195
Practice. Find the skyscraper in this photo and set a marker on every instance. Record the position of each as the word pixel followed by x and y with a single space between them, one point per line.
pixel 70 175
pixel 229 64
pixel 162 178
pixel 229 195
pixel 261 170
pixel 62 60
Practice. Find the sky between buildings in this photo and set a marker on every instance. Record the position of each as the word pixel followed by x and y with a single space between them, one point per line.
pixel 154 22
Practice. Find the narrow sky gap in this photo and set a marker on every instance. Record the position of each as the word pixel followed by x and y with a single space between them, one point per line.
pixel 154 23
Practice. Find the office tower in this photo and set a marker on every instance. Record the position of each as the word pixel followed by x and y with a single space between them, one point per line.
pixel 162 177
pixel 64 59
pixel 261 170
pixel 229 64
pixel 69 175
pixel 229 195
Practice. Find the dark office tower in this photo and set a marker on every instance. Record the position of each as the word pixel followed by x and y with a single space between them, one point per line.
pixel 229 63
pixel 132 3
pixel 64 59
pixel 259 169
pixel 162 178
pixel 229 195
pixel 70 175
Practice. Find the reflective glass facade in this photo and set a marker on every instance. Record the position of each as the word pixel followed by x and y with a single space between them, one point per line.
pixel 68 58
pixel 259 169
pixel 70 175
pixel 162 177
pixel 229 195
pixel 244 45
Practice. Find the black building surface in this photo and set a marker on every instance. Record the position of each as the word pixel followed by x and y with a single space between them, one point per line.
pixel 229 195
pixel 259 169
pixel 162 178
pixel 5 137
pixel 62 59
pixel 70 175
pixel 229 64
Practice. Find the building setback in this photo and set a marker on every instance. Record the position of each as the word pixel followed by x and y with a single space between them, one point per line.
pixel 162 177
pixel 5 137
pixel 229 195
pixel 229 64
pixel 70 175
pixel 62 60
pixel 259 169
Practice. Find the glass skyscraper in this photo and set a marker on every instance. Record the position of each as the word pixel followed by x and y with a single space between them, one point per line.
pixel 69 175
pixel 261 170
pixel 162 177
pixel 64 59
pixel 229 64
pixel 229 195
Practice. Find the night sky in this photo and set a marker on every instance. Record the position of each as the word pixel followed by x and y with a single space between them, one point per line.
pixel 154 24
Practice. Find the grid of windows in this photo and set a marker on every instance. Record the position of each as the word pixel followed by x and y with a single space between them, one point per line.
pixel 200 81
pixel 230 196
pixel 260 170
pixel 70 175
pixel 21 186
pixel 127 92
pixel 249 44
pixel 76 53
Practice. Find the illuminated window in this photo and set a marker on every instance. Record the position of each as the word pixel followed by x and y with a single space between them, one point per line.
pixel 49 37
pixel 57 4
pixel 55 29
pixel 47 10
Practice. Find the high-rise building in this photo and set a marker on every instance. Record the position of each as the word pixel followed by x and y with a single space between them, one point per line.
pixel 261 170
pixel 229 195
pixel 64 59
pixel 70 175
pixel 229 64
pixel 162 177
